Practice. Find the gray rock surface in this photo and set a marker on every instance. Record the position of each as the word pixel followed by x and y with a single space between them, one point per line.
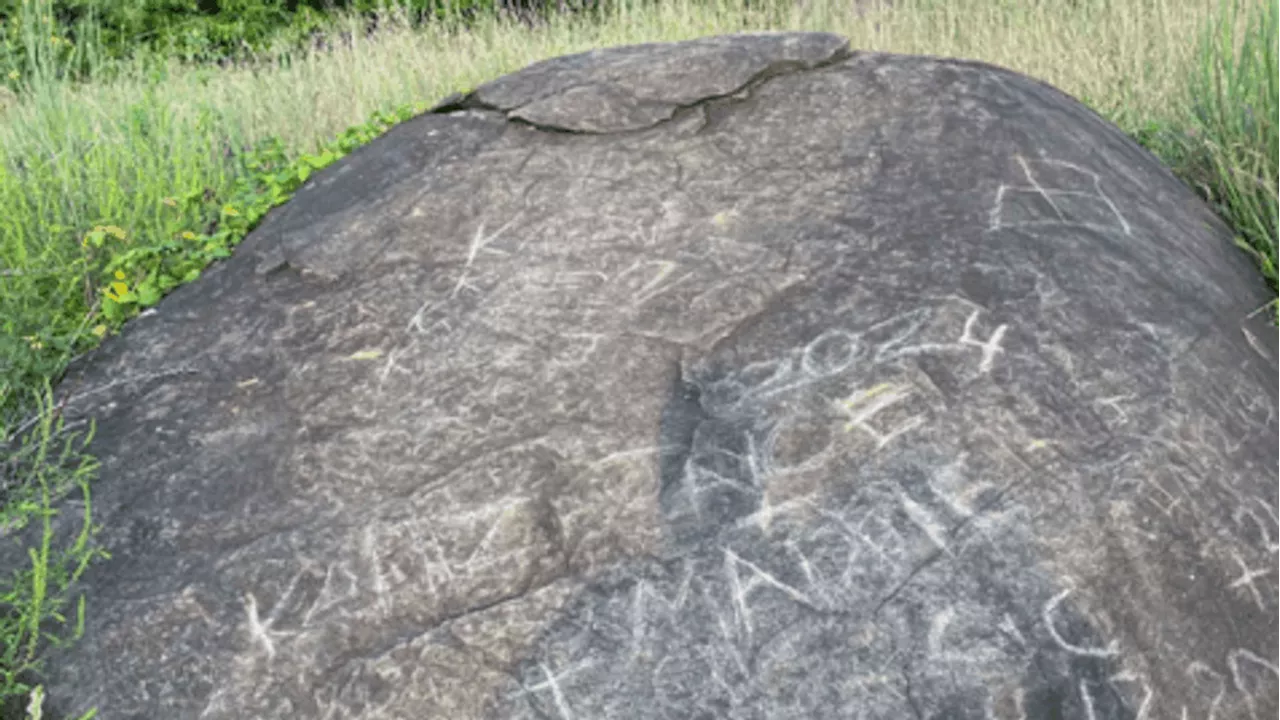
pixel 748 377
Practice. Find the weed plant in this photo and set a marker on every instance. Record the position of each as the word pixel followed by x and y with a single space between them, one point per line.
pixel 124 180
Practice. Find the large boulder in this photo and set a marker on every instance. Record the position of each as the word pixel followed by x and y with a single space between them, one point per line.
pixel 748 377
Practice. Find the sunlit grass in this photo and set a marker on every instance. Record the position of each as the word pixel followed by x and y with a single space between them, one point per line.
pixel 116 190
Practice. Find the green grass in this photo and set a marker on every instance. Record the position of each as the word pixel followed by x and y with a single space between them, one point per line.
pixel 115 190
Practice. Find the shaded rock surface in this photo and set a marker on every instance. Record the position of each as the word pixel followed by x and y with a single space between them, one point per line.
pixel 748 377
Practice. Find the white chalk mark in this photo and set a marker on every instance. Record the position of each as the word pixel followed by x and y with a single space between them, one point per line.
pixel 1197 666
pixel 1087 701
pixel 874 684
pixel 853 535
pixel 501 510
pixel 571 274
pixel 897 348
pixel 949 484
pixel 727 635
pixel 1110 650
pixel 189 598
pixel 889 349
pixel 432 566
pixel 813 368
pixel 1035 185
pixel 799 368
pixel 1268 541
pixel 480 242
pixel 552 683
pixel 415 321
pixel 327 598
pixel 937 627
pixel 1113 403
pixel 1173 500
pixel 651 288
pixel 368 546
pixel 1253 342
pixel 779 380
pixel 640 607
pixel 993 215
pixel 1011 629
pixel 697 480
pixel 742 589
pixel 593 338
pixel 810 575
pixel 1097 186
pixel 862 405
pixel 936 532
pixel 763 518
pixel 1248 577
pixel 762 458
pixel 1233 660
pixel 759 462
pixel 261 631
pixel 1148 693
pixel 217 703
pixel 387 368
pixel 989 347
pixel 996 221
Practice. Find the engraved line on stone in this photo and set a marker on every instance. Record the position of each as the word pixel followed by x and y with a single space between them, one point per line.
pixel 1233 661
pixel 914 319
pixel 1035 184
pixel 1267 541
pixel 387 367
pixel 321 604
pixel 763 518
pixel 995 221
pixel 741 589
pixel 1166 509
pixel 480 242
pixel 1047 615
pixel 989 347
pixel 1253 342
pixel 809 365
pixel 1007 625
pixel 1087 701
pixel 650 288
pixel 1198 666
pixel 727 634
pixel 259 631
pixel 759 466
pixel 1248 577
pixel 938 626
pixel 1147 692
pixel 853 535
pixel 1097 186
pixel 367 549
pixel 810 575
pixel 1113 403
pixel 935 531
pixel 643 591
pixel 594 338
pixel 861 406
pixel 552 683
pixel 950 484
pixel 879 549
